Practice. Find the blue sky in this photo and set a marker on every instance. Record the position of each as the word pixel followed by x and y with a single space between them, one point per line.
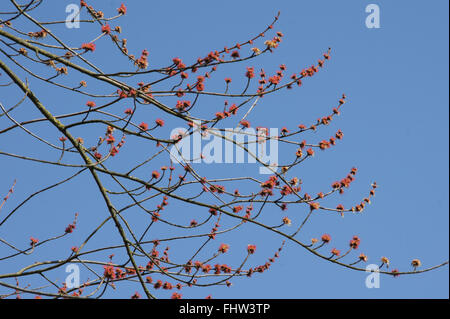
pixel 395 126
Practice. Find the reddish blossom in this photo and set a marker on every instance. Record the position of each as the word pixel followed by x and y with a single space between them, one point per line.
pixel 155 174
pixel 33 241
pixel 200 86
pixel 251 249
pixel 245 123
pixel 310 152
pixel 250 72
pixel 122 9
pixel 136 296
pixel 335 252
pixel 143 126
pixel 106 29
pixel 326 238
pixel 275 79
pixel 235 54
pixel 88 46
pixel 354 243
pixel 324 145
pixel 224 248
pixel 109 272
pixel 395 272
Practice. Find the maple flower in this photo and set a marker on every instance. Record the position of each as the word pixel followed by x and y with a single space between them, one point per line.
pixel 220 115
pixel 167 286
pixel 136 296
pixel 237 209
pixel 122 9
pixel 143 126
pixel 339 135
pixel 415 263
pixel 106 29
pixel 271 43
pixel 200 86
pixel 110 139
pixel 233 109
pixel 176 295
pixel 354 243
pixel 250 72
pixel 395 272
pixel 206 268
pixel 69 229
pixel 384 260
pixel 159 122
pixel 251 249
pixel 90 104
pixel 235 54
pixel 122 94
pixel 88 46
pixel 158 284
pixel 287 221
pixel 314 205
pixel 245 123
pixel 109 272
pixel 310 152
pixel 275 79
pixel 335 252
pixel 256 50
pixel 176 61
pixel 224 248
pixel 324 145
pixel 33 241
pixel 155 174
pixel 326 238
pixel 362 257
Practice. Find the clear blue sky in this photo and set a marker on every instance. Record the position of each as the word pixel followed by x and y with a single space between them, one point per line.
pixel 395 128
